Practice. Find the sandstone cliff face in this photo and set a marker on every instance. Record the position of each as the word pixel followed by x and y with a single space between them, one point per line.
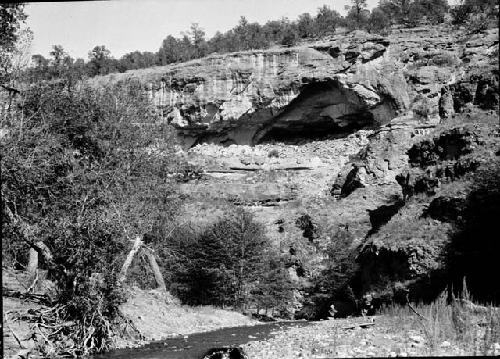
pixel 354 81
pixel 246 98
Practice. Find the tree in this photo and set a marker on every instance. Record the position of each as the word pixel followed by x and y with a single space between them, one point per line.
pixel 475 13
pixel 78 185
pixel 60 61
pixel 273 30
pixel 434 10
pixel 243 32
pixel 357 16
pixel 186 50
pixel 197 35
pixel 218 43
pixel 58 54
pixel 138 60
pixel 273 288
pixel 378 21
pixel 289 36
pixel 224 262
pixel 99 61
pixel 20 57
pixel 169 51
pixel 326 21
pixel 396 10
pixel 305 25
pixel 11 17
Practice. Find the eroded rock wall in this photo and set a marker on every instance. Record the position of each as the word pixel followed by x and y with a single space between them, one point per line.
pixel 324 88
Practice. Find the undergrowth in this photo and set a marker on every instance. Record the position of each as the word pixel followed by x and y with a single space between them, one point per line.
pixel 473 328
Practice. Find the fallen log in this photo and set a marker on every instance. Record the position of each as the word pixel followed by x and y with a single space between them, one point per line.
pixel 35 297
pixel 130 256
pixel 139 245
pixel 360 325
pixel 156 269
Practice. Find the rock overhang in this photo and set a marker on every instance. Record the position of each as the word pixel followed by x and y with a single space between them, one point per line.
pixel 358 80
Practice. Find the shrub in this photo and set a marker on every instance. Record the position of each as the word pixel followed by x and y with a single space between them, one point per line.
pixel 423 107
pixel 378 22
pixel 443 59
pixel 273 153
pixel 290 37
pixel 475 14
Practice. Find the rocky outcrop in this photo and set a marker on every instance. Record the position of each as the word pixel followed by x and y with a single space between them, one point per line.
pixel 381 160
pixel 414 254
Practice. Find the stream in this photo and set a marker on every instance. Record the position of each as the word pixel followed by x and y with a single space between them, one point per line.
pixel 194 346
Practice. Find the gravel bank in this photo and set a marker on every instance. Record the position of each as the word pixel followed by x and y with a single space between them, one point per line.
pixel 344 338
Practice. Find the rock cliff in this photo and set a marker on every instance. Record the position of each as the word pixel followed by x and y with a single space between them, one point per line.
pixel 325 88
pixel 364 136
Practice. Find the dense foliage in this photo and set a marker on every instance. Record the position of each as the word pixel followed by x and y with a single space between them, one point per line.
pixel 475 14
pixel 11 18
pixel 80 178
pixel 246 35
pixel 230 263
pixel 333 283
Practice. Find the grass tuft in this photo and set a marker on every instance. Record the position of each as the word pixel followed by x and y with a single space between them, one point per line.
pixel 473 328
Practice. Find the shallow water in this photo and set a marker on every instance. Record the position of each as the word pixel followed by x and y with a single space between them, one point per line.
pixel 195 345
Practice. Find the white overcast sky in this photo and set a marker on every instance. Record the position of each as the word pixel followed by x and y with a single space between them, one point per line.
pixel 128 25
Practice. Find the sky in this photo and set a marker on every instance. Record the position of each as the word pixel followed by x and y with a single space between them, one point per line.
pixel 127 25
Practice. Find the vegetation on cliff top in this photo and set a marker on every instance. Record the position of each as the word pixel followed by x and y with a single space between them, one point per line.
pixel 476 15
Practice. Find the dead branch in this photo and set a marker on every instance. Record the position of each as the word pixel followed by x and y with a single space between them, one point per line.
pixel 14 334
pixel 35 297
pixel 31 288
pixel 47 341
pixel 156 269
pixel 33 263
pixel 23 353
pixel 414 311
pixel 28 231
pixel 130 256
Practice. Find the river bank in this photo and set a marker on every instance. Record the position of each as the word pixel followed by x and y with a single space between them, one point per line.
pixel 158 315
pixel 387 335
pixel 150 316
pixel 163 328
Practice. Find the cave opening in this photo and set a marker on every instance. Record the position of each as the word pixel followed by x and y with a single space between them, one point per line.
pixel 323 110
pixel 322 130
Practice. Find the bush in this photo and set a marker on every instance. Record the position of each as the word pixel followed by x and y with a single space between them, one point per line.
pixel 273 153
pixel 378 21
pixel 444 59
pixel 475 14
pixel 290 37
